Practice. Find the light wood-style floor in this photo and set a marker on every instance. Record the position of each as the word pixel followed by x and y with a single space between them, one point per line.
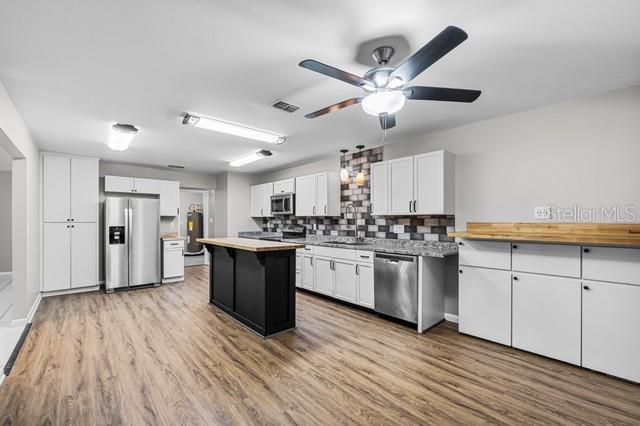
pixel 163 356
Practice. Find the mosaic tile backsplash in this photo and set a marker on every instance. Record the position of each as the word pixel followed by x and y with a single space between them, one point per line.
pixel 425 228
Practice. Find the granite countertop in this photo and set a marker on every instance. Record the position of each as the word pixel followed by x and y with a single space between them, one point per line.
pixel 250 244
pixel 378 245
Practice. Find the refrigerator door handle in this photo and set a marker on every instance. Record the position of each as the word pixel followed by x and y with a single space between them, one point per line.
pixel 128 213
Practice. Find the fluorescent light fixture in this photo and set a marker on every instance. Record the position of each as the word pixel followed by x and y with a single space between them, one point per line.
pixel 121 136
pixel 231 128
pixel 386 102
pixel 250 158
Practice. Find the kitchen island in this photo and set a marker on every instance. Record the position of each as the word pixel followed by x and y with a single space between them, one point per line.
pixel 254 282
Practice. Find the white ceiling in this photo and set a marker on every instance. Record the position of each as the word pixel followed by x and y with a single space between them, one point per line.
pixel 75 67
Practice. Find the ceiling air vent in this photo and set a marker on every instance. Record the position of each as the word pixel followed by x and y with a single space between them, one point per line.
pixel 284 106
pixel 175 166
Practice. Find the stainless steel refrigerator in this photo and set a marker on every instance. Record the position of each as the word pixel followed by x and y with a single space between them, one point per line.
pixel 132 242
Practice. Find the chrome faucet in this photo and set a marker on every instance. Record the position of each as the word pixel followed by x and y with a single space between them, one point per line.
pixel 346 212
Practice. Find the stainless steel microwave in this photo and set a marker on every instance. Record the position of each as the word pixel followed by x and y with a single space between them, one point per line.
pixel 283 203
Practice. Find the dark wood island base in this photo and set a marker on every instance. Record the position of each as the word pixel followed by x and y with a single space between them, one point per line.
pixel 254 282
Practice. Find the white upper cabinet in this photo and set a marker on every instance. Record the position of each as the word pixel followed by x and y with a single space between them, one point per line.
pixel 433 185
pixel 118 184
pixel 261 200
pixel 84 190
pixel 318 195
pixel 401 186
pixel 129 184
pixel 379 188
pixel 423 184
pixel 70 189
pixel 284 186
pixel 146 186
pixel 56 188
pixel 306 196
pixel 169 198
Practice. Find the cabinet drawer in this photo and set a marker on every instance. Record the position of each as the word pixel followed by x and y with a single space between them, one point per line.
pixel 485 254
pixel 621 265
pixel 549 259
pixel 546 316
pixel 335 252
pixel 364 256
pixel 485 303
pixel 305 250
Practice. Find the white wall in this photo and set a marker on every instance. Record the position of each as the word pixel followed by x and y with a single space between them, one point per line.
pixel 16 139
pixel 233 205
pixel 584 151
pixel 5 221
pixel 331 164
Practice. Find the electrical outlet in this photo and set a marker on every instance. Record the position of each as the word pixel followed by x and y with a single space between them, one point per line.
pixel 542 212
pixel 398 229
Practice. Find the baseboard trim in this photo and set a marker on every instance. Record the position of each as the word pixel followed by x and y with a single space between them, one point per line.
pixel 451 318
pixel 70 291
pixel 21 322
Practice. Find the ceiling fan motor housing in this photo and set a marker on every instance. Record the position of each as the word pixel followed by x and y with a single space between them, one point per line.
pixel 383 54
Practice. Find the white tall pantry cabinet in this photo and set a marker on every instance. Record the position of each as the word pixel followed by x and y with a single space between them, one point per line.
pixel 70 222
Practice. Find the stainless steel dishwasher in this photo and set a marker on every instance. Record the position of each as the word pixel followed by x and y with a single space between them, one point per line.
pixel 396 286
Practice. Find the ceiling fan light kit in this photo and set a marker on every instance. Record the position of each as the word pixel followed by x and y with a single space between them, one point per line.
pixel 223 126
pixel 384 85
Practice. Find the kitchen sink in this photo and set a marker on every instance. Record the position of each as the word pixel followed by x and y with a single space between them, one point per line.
pixel 349 243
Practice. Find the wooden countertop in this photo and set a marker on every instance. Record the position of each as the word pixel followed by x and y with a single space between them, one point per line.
pixel 250 245
pixel 567 233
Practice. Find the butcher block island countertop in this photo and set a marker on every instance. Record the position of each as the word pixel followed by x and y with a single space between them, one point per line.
pixel 564 233
pixel 250 245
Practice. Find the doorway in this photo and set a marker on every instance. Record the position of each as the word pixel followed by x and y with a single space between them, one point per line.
pixel 194 224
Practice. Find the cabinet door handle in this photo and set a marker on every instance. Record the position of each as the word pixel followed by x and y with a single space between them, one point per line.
pixel 311 261
pixel 325 209
pixel 460 271
pixel 357 269
pixel 586 250
pixel 515 278
pixel 314 209
pixel 460 243
pixel 409 206
pixel 261 212
pixel 515 246
pixel 68 226
pixel 586 287
pixel 371 208
pixel 415 209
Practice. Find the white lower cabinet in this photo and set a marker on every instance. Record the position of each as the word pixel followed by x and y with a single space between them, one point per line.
pixel 69 256
pixel 365 284
pixel 56 256
pixel 323 267
pixel 307 272
pixel 484 300
pixel 610 323
pixel 346 280
pixel 335 272
pixel 84 255
pixel 546 316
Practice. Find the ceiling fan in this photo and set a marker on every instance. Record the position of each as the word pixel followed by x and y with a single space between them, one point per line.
pixel 385 85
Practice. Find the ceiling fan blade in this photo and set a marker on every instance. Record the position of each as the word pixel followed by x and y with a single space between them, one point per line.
pixel 334 107
pixel 332 72
pixel 387 121
pixel 426 93
pixel 440 45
